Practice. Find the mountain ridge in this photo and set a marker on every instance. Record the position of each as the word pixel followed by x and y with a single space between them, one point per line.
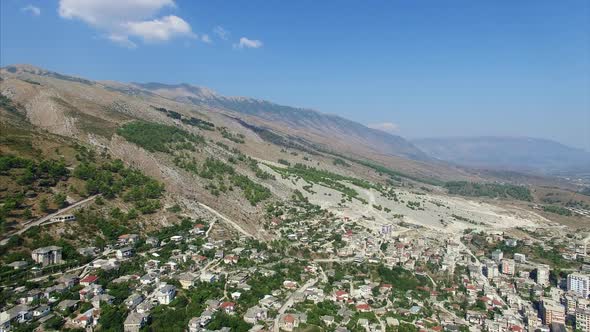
pixel 519 153
pixel 295 118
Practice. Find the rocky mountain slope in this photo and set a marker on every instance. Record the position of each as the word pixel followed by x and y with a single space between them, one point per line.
pixel 310 124
pixel 230 157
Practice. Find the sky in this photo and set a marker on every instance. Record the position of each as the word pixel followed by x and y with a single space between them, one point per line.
pixel 416 68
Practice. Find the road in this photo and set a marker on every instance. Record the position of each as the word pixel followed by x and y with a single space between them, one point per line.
pixel 46 218
pixel 210 228
pixel 333 260
pixel 289 302
pixel 224 218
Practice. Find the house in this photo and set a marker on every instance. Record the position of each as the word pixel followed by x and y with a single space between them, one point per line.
pixel 363 307
pixel 47 255
pixel 207 277
pixel 228 307
pixel 144 307
pixel 151 264
pixel 84 320
pixel 230 259
pixel 124 252
pixel 90 291
pixel 199 229
pixel 67 306
pixel 270 302
pixel 328 320
pixel 41 311
pixel 88 280
pixel 288 322
pixel 98 299
pixel 18 314
pixel 187 279
pixel 194 325
pixel 57 289
pixel 169 266
pixel 63 218
pixel 219 254
pixel 212 305
pixel 288 284
pixel 152 241
pixel 511 242
pixel 135 321
pixel 205 317
pixel 31 296
pixel 255 314
pixel 149 278
pixel 88 251
pixel 17 265
pixel 133 301
pixel 128 238
pixel 105 264
pixel 176 238
pixel 341 296
pixel 384 288
pixel 165 294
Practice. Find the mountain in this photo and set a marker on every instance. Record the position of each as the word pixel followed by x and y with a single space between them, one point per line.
pixel 507 153
pixel 222 152
pixel 306 123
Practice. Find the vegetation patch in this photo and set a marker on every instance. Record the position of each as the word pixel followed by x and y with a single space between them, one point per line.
pixel 557 210
pixel 113 179
pixel 325 178
pixel 191 121
pixel 492 190
pixel 156 137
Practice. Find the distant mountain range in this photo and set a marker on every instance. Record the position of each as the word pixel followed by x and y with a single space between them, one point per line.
pixel 507 153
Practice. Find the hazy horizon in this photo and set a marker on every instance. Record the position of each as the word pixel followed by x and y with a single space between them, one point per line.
pixel 458 69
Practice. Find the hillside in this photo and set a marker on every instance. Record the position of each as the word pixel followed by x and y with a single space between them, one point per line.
pixel 233 157
pixel 508 153
pixel 311 124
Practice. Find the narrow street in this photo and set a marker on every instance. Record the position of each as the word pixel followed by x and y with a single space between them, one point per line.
pixel 289 302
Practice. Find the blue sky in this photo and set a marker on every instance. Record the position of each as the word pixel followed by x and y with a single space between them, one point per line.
pixel 417 68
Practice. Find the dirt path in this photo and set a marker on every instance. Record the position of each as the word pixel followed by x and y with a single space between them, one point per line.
pixel 224 218
pixel 46 218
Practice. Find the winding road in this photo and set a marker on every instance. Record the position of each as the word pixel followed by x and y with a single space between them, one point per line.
pixel 42 220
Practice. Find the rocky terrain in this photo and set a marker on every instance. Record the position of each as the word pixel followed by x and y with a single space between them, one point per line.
pixel 92 114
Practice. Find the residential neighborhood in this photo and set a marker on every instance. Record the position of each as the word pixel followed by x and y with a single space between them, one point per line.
pixel 327 272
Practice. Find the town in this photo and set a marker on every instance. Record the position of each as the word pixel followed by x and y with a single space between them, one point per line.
pixel 321 271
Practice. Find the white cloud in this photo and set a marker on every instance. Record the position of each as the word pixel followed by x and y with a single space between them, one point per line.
pixel 248 43
pixel 221 32
pixel 121 20
pixel 107 13
pixel 122 40
pixel 33 10
pixel 159 29
pixel 205 38
pixel 388 127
